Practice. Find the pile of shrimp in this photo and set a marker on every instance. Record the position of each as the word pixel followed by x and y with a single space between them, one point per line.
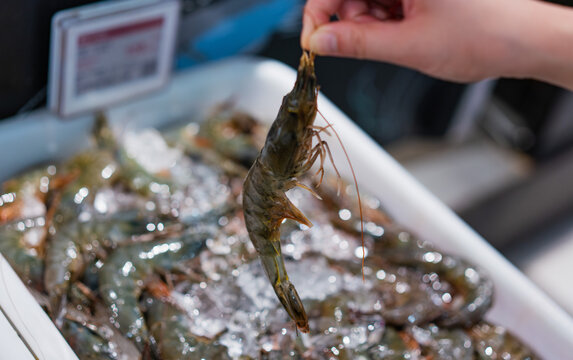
pixel 148 247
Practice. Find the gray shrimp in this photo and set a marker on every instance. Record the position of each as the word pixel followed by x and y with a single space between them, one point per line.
pixel 25 194
pixel 169 326
pixel 74 245
pixel 34 195
pixel 472 289
pixel 443 343
pixel 87 329
pixel 91 336
pixel 394 345
pixel 62 264
pixel 231 134
pixel 130 268
pixel 86 343
pixel 494 342
pixel 287 154
pixel 23 258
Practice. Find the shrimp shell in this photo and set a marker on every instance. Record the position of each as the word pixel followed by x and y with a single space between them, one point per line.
pixel 286 155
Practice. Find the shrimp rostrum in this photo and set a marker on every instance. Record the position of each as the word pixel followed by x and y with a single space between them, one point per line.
pixel 287 154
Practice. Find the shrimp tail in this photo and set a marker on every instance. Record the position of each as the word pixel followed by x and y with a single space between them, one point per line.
pixel 274 267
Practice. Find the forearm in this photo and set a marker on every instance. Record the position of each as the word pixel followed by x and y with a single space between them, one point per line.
pixel 545 45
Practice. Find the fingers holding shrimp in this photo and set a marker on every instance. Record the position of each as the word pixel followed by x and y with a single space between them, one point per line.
pixel 361 31
pixel 317 13
pixel 449 39
pixel 320 12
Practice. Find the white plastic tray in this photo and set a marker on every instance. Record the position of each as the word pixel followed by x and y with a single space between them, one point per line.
pixel 258 86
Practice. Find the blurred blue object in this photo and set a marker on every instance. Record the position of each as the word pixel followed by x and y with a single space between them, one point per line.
pixel 230 27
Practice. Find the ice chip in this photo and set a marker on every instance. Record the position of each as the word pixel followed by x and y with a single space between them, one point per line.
pixel 149 149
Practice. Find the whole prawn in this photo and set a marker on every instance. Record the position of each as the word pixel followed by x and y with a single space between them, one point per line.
pixel 287 154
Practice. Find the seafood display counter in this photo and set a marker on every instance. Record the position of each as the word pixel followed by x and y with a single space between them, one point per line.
pixel 257 86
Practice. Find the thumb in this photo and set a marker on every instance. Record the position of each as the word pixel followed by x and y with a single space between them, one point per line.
pixel 379 41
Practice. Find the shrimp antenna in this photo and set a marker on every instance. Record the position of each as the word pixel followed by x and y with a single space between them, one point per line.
pixel 355 185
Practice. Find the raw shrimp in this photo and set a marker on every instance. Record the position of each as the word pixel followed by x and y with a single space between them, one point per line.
pixel 442 343
pixel 472 289
pixel 76 244
pixel 34 195
pixel 92 336
pixel 494 342
pixel 87 328
pixel 24 196
pixel 231 133
pixel 128 270
pixel 86 343
pixel 23 258
pixel 169 326
pixel 227 138
pixel 95 168
pixel 394 345
pixel 286 155
pixel 63 263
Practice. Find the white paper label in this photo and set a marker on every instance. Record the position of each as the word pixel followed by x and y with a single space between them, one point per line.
pixel 119 55
pixel 110 52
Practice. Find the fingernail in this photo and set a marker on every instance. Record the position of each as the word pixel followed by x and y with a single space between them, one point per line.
pixel 380 14
pixel 323 42
pixel 307 29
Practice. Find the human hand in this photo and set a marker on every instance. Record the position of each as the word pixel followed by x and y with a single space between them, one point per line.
pixel 449 39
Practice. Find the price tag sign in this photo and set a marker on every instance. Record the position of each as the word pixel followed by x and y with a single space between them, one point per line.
pixel 109 52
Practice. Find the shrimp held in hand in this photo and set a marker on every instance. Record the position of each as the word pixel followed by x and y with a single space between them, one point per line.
pixel 287 154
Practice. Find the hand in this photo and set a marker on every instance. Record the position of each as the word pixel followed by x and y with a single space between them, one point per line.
pixel 449 39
